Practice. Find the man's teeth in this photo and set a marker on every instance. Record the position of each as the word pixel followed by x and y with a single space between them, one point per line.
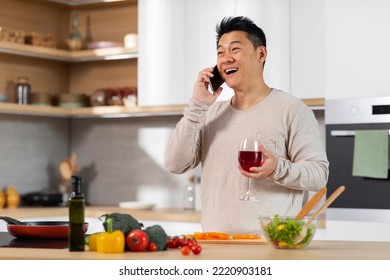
pixel 231 70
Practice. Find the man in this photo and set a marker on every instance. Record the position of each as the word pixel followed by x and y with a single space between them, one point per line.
pixel 210 132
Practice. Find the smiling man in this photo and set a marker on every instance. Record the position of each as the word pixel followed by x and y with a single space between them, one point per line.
pixel 210 133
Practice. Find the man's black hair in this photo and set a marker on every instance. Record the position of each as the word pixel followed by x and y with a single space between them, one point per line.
pixel 255 34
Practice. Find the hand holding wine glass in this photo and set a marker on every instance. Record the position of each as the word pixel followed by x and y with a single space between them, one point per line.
pixel 249 156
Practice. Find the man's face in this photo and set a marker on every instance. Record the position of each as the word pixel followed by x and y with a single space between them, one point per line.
pixel 238 60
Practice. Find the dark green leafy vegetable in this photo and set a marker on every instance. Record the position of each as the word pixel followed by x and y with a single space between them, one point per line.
pixel 157 235
pixel 122 222
pixel 282 230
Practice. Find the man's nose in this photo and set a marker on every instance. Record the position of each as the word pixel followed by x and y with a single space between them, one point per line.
pixel 227 58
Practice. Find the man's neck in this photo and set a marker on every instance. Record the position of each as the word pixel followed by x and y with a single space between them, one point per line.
pixel 246 99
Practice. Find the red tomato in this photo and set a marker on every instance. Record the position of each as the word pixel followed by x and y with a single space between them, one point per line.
pixel 185 250
pixel 183 242
pixel 192 242
pixel 196 249
pixel 173 242
pixel 137 240
pixel 152 247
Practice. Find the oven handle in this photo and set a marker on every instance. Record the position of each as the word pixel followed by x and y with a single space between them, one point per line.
pixel 344 133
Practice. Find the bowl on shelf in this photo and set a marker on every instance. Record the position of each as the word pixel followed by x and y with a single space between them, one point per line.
pixel 282 231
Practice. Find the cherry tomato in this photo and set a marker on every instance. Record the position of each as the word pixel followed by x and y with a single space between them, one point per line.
pixel 196 249
pixel 185 250
pixel 152 247
pixel 137 240
pixel 173 242
pixel 183 242
pixel 192 242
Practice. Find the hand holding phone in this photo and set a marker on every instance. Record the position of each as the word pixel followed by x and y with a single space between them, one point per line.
pixel 216 81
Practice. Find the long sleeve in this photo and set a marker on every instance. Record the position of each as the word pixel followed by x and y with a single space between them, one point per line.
pixel 306 166
pixel 183 150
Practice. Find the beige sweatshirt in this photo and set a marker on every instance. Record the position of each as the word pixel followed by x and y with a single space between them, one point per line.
pixel 210 136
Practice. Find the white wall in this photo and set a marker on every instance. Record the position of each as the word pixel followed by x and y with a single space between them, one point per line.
pixel 177 40
pixel 317 48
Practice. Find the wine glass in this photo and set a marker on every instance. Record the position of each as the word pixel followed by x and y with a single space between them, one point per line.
pixel 249 156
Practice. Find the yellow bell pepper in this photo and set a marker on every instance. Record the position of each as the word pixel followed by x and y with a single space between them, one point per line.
pixel 92 241
pixel 110 242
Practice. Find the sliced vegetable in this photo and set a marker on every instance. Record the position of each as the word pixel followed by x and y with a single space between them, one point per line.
pixel 211 235
pixel 245 236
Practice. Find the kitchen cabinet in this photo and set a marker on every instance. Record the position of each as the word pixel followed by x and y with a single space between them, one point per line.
pixel 357 56
pixel 308 48
pixel 57 70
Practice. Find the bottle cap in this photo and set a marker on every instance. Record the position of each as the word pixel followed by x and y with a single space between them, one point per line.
pixel 76 183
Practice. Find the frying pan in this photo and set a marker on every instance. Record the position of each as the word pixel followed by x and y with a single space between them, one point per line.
pixel 41 229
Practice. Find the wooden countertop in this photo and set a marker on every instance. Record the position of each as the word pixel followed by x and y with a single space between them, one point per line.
pixel 157 214
pixel 317 250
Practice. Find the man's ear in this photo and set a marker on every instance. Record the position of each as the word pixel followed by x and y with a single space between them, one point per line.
pixel 262 53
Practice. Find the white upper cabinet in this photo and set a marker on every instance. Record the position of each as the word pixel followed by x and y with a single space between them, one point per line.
pixel 308 48
pixel 177 39
pixel 357 48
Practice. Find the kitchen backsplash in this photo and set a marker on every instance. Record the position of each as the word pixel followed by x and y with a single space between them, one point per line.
pixel 121 159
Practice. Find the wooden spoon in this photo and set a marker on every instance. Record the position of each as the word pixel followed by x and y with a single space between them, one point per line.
pixel 298 238
pixel 311 203
pixel 72 163
pixel 65 171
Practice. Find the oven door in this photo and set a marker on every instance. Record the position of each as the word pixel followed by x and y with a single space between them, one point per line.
pixel 360 192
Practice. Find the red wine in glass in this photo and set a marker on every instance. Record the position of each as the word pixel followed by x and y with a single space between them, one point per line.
pixel 249 156
pixel 248 159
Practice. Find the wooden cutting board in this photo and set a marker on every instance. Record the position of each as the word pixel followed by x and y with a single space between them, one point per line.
pixel 261 241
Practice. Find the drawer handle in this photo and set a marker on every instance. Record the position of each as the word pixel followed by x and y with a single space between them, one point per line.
pixel 344 133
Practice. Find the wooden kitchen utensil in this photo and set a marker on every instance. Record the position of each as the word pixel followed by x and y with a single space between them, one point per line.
pixel 66 172
pixel 72 163
pixel 311 203
pixel 302 234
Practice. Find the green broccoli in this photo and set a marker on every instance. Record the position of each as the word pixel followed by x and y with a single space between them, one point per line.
pixel 157 235
pixel 122 222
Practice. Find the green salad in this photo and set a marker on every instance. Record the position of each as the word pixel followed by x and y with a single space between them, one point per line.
pixel 282 230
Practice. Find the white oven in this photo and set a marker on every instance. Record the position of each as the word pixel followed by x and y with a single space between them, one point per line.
pixel 343 118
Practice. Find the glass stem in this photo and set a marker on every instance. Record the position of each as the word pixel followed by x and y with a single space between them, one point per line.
pixel 248 190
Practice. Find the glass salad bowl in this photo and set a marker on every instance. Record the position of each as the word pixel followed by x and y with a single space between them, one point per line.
pixel 284 232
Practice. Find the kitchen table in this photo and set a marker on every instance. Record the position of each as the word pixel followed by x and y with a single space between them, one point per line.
pixel 317 250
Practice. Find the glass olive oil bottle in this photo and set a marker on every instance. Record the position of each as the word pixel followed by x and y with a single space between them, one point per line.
pixel 76 216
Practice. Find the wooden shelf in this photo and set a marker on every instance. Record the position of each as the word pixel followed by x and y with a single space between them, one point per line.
pixel 68 56
pixel 90 112
pixel 111 111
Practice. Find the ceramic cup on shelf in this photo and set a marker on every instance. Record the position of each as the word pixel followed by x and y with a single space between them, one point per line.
pixel 131 41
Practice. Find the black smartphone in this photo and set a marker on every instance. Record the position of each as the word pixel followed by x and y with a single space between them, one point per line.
pixel 216 81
